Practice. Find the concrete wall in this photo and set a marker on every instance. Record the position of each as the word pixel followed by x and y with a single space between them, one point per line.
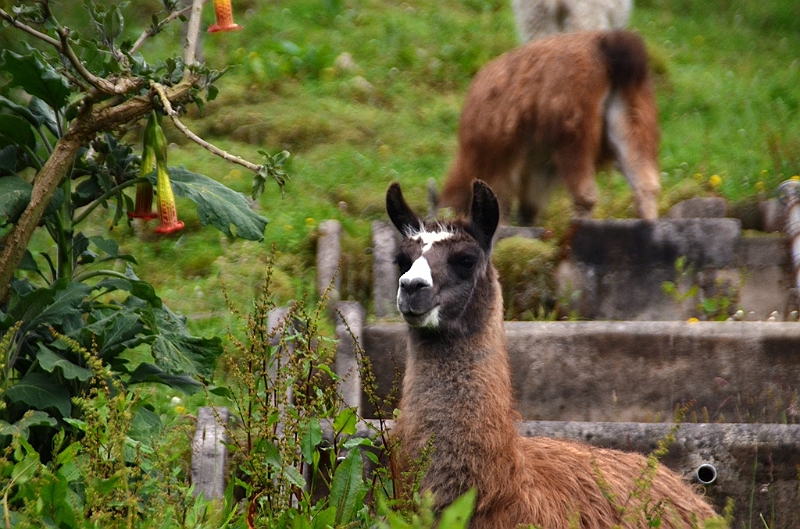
pixel 619 268
pixel 636 371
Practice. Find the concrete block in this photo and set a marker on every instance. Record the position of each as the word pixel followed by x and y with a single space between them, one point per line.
pixel 385 245
pixel 619 268
pixel 209 453
pixel 633 371
pixel 700 207
pixel 329 252
pixel 623 243
pixel 349 332
pixel 756 464
pixel 773 215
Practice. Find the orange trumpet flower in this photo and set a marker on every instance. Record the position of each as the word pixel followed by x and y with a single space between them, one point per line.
pixel 224 13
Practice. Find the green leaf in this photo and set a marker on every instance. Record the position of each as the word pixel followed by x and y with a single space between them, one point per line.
pixel 37 391
pixel 57 306
pixel 272 456
pixel 50 361
pixel 294 476
pixel 113 334
pixel 53 496
pixel 345 423
pixel 348 488
pixel 458 513
pixel 326 518
pixel 108 246
pixel 16 131
pixel 139 289
pixel 31 418
pixel 145 425
pixel 221 391
pixel 28 263
pixel 24 112
pixel 311 438
pixel 149 373
pixel 15 193
pixel 36 77
pixel 176 351
pixel 225 209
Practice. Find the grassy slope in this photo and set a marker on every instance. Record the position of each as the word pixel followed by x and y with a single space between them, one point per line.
pixel 728 90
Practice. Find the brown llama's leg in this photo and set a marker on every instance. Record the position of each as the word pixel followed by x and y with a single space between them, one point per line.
pixel 536 183
pixel 577 169
pixel 632 131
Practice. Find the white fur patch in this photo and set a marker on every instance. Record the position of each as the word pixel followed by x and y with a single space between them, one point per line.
pixel 420 269
pixel 428 238
pixel 432 320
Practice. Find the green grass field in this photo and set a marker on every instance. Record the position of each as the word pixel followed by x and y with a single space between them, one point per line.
pixel 727 81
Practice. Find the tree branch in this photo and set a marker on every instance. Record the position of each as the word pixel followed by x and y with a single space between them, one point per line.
pixel 164 100
pixel 122 87
pixel 192 35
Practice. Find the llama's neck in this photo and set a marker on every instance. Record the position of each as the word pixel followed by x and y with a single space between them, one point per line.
pixel 457 394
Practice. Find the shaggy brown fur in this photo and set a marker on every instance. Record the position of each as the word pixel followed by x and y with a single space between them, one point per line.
pixel 557 109
pixel 457 400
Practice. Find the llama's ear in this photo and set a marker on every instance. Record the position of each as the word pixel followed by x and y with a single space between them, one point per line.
pixel 399 212
pixel 485 213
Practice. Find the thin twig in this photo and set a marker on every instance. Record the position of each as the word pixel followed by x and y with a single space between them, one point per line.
pixel 150 31
pixel 162 96
pixel 123 86
pixel 29 30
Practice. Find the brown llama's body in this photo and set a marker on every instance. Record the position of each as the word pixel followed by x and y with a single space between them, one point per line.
pixel 457 400
pixel 554 110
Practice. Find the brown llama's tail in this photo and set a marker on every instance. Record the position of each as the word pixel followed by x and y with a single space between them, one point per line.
pixel 626 58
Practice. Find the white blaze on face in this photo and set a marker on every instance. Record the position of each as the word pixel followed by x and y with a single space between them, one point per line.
pixel 421 270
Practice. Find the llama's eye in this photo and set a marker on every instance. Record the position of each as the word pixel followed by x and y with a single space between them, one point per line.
pixel 403 262
pixel 466 262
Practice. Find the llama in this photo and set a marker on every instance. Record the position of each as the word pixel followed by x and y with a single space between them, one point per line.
pixel 457 402
pixel 537 19
pixel 557 109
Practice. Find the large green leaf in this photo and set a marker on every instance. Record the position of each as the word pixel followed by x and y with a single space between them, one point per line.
pixel 113 333
pixel 140 289
pixel 225 209
pixel 348 488
pixel 175 350
pixel 37 391
pixel 458 513
pixel 24 112
pixel 16 131
pixel 36 77
pixel 50 360
pixel 31 418
pixel 15 193
pixel 63 311
pixel 311 437
pixel 150 373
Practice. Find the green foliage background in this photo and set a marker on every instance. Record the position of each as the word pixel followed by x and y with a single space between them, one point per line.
pixel 728 88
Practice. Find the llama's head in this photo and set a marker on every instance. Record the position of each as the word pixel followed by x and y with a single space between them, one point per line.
pixel 447 282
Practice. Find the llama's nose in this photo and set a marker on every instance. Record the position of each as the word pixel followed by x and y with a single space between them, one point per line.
pixel 415 296
pixel 411 285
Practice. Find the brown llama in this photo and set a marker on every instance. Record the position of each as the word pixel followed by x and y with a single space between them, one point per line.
pixel 457 401
pixel 558 109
